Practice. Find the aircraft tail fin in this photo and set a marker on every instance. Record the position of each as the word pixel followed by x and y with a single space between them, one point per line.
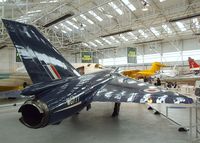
pixel 42 60
pixel 156 66
pixel 192 64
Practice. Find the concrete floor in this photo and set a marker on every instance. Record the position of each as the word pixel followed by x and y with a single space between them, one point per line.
pixel 134 125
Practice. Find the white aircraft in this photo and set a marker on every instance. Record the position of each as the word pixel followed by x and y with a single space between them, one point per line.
pixel 167 73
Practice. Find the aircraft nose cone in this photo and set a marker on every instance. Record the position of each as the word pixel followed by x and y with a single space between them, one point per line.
pixel 34 114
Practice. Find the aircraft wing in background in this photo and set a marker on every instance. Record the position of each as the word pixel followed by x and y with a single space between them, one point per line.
pixel 10 94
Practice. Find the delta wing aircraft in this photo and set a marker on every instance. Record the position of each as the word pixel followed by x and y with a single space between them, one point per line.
pixel 59 90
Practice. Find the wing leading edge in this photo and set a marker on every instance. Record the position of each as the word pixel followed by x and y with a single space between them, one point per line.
pixel 123 89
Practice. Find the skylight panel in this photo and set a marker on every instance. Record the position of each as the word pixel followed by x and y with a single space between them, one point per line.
pixel 69 29
pixel 95 15
pixel 85 44
pixel 35 11
pixel 56 27
pixel 87 19
pixel 116 8
pixel 64 31
pixel 132 35
pixel 101 9
pixel 51 1
pixel 113 38
pixel 166 28
pixel 129 5
pixel 181 26
pixel 196 22
pixel 106 41
pixel 99 42
pixel 91 43
pixel 70 23
pixel 142 33
pixel 124 38
pixel 74 19
pixel 155 31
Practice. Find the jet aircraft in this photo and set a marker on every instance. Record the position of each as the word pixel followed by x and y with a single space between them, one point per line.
pixel 86 68
pixel 144 73
pixel 167 73
pixel 59 91
pixel 11 84
pixel 194 66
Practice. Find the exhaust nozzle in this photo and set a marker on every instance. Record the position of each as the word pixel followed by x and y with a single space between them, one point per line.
pixel 34 114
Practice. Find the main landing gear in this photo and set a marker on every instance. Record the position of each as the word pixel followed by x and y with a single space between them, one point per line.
pixel 116 109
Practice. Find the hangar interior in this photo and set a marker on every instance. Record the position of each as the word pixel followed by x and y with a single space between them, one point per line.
pixel 104 32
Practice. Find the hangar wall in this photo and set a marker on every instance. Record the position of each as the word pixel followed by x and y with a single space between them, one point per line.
pixel 7 62
pixel 178 51
pixel 142 50
pixel 163 49
pixel 8 56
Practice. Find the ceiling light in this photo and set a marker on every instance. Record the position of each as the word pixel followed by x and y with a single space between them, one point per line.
pixel 144 2
pixel 82 26
pixel 181 26
pixel 129 5
pixel 144 8
pixel 99 42
pixel 116 8
pixel 162 0
pixel 70 23
pixel 154 31
pixel 167 29
pixel 142 33
pixel 87 19
pixel 95 15
pixel 106 41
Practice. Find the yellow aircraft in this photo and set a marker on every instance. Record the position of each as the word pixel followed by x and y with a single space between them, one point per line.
pixel 11 84
pixel 144 73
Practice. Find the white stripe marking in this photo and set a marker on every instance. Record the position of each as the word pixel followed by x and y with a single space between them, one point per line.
pixel 69 107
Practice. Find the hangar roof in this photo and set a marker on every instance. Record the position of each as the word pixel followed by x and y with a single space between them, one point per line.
pixel 106 23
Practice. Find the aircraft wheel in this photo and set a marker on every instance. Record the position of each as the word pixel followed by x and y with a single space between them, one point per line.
pixel 150 108
pixel 156 112
pixel 182 129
